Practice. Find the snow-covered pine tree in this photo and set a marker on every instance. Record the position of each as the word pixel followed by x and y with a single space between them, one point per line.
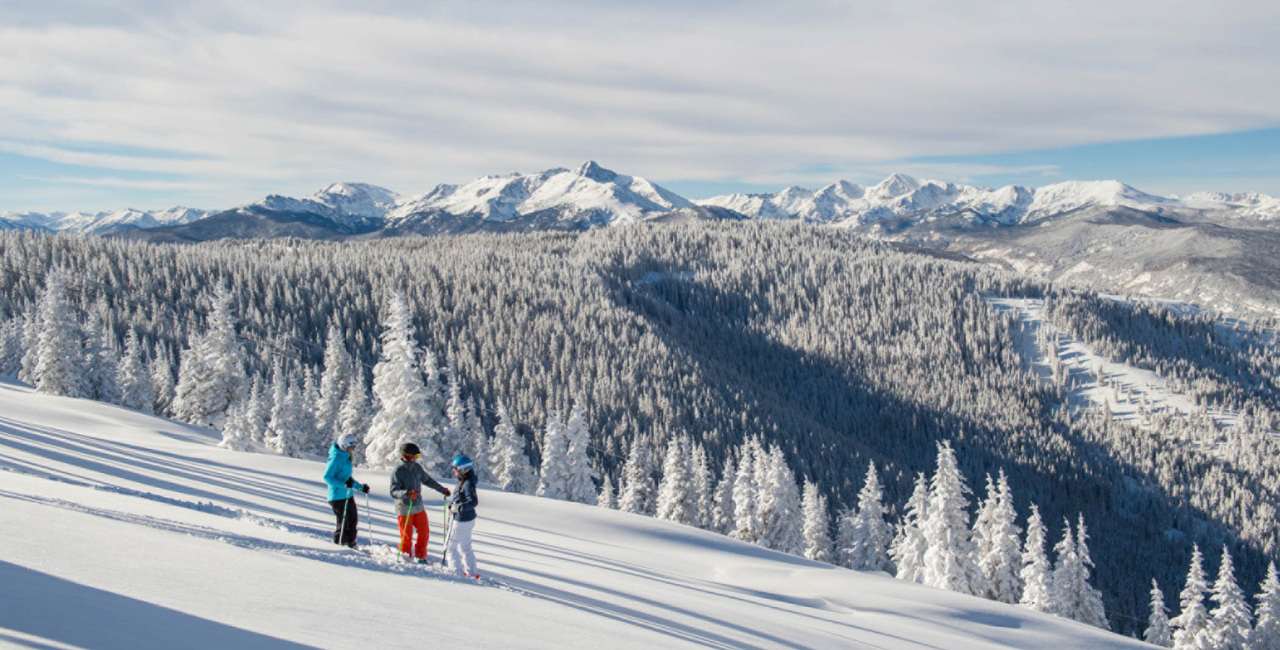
pixel 133 378
pixel 478 443
pixel 1266 630
pixel 32 324
pixel 57 367
pixel 289 426
pixel 1036 573
pixel 101 363
pixel 512 470
pixel 722 502
pixel 703 504
pixel 454 438
pixel 1002 562
pixel 579 486
pixel 909 545
pixel 817 524
pixel 637 493
pixel 317 443
pixel 1191 625
pixel 1063 580
pixel 211 376
pixel 553 475
pixel 11 346
pixel 257 411
pixel 869 535
pixel 1090 607
pixel 1158 631
pixel 1230 621
pixel 780 508
pixel 355 415
pixel 607 498
pixel 237 433
pixel 746 493
pixel 982 521
pixel 949 562
pixel 406 410
pixel 675 491
pixel 334 382
pixel 162 382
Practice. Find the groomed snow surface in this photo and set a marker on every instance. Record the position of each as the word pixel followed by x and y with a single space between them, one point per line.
pixel 125 531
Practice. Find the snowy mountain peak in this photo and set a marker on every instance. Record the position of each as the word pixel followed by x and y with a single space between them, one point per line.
pixel 595 172
pixel 894 186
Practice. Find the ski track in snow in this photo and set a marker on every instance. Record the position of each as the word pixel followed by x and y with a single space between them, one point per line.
pixel 1126 387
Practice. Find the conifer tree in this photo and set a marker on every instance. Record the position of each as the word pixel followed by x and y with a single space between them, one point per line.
pixel 1190 626
pixel 290 430
pixel 780 506
pixel 703 504
pixel 478 444
pixel 162 382
pixel 58 364
pixel 257 411
pixel 1158 631
pixel 453 439
pixel 675 492
pixel 817 524
pixel 237 434
pixel 1036 573
pixel 211 376
pixel 512 470
pixel 553 478
pixel 607 497
pixel 1266 631
pixel 101 365
pixel 982 534
pixel 1230 621
pixel 32 324
pixel 869 535
pixel 334 382
pixel 746 493
pixel 133 378
pixel 578 484
pixel 1002 562
pixel 722 520
pixel 317 442
pixel 909 546
pixel 355 415
pixel 11 347
pixel 949 562
pixel 637 492
pixel 406 411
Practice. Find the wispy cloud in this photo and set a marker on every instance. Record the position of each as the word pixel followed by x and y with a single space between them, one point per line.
pixel 295 95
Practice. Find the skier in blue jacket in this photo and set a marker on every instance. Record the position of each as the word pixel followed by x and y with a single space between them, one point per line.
pixel 341 487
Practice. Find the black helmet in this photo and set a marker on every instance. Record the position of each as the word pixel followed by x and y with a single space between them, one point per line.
pixel 409 449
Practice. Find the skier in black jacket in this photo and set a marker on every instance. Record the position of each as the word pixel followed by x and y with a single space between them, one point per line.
pixel 463 507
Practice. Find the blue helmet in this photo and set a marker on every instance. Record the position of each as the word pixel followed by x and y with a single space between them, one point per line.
pixel 462 462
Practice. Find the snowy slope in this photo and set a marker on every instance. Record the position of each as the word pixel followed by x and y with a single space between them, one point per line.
pixel 121 530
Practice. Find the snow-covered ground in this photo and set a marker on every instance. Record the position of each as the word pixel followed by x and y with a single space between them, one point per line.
pixel 120 530
pixel 1094 380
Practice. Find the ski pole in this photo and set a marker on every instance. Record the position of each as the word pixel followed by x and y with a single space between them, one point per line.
pixel 444 521
pixel 342 525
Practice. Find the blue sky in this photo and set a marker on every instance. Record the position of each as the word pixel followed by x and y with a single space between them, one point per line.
pixel 152 104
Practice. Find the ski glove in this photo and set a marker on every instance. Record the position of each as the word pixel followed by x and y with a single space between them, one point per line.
pixel 446 492
pixel 413 494
pixel 350 482
pixel 365 488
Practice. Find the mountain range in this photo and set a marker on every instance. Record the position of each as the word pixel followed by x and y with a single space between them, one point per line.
pixel 1212 249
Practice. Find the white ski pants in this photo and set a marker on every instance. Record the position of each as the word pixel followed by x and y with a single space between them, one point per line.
pixel 461 557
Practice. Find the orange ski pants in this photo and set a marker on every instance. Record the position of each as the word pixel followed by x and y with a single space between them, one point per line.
pixel 408 524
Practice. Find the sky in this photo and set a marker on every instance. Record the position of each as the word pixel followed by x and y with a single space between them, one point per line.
pixel 152 104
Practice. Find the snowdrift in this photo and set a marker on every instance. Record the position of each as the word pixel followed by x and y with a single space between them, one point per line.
pixel 125 531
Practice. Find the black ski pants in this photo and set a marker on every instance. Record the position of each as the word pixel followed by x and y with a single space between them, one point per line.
pixel 348 522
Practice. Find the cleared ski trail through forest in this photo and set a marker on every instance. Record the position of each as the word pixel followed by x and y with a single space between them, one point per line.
pixel 124 531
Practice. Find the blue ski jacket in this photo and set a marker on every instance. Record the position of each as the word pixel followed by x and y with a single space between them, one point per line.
pixel 465 498
pixel 337 472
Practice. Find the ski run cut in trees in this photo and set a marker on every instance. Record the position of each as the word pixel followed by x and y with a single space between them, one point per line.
pixel 797 388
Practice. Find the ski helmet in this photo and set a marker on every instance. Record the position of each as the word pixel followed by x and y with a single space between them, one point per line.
pixel 409 449
pixel 462 462
pixel 347 440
